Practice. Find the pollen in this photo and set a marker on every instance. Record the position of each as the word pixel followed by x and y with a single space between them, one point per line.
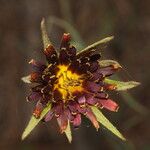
pixel 67 83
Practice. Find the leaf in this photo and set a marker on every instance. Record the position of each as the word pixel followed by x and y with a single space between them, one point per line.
pixel 68 132
pixel 105 122
pixel 98 43
pixel 46 40
pixel 26 79
pixel 105 63
pixel 120 85
pixel 33 121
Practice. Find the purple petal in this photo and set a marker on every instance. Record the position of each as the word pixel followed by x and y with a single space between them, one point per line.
pixel 69 115
pixel 91 86
pixel 34 96
pixel 92 101
pixel 58 109
pixel 92 118
pixel 62 122
pixel 73 106
pixel 77 120
pixel 49 116
pixel 82 110
pixel 81 100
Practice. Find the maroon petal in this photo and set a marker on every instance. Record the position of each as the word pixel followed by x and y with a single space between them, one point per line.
pixel 46 98
pixel 46 89
pixel 96 76
pixel 91 86
pixel 58 109
pixel 77 120
pixel 57 95
pixel 51 55
pixel 101 95
pixel 49 78
pixel 109 104
pixel 64 58
pixel 37 88
pixel 73 106
pixel 72 53
pixel 83 68
pixel 84 59
pixel 95 57
pixel 62 122
pixel 74 66
pixel 36 77
pixel 94 66
pixel 92 118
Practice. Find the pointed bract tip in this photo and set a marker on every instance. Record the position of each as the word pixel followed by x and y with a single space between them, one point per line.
pixel 111 37
pixel 26 79
pixel 23 137
pixel 107 39
pixel 136 83
pixel 42 21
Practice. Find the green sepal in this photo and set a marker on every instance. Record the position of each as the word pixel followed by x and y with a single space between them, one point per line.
pixel 106 123
pixel 33 121
pixel 45 38
pixel 68 132
pixel 120 85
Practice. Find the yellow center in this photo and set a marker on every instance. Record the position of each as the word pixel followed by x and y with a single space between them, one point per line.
pixel 67 82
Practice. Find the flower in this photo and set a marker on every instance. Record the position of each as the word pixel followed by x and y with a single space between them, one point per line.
pixel 72 82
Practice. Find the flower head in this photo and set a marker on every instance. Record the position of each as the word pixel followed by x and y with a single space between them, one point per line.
pixel 72 82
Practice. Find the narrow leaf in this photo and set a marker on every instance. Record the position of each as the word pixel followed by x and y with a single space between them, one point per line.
pixel 105 63
pixel 98 43
pixel 121 86
pixel 33 122
pixel 105 122
pixel 26 79
pixel 46 40
pixel 68 132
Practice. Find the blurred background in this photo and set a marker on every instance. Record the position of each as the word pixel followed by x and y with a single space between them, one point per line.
pixel 88 21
